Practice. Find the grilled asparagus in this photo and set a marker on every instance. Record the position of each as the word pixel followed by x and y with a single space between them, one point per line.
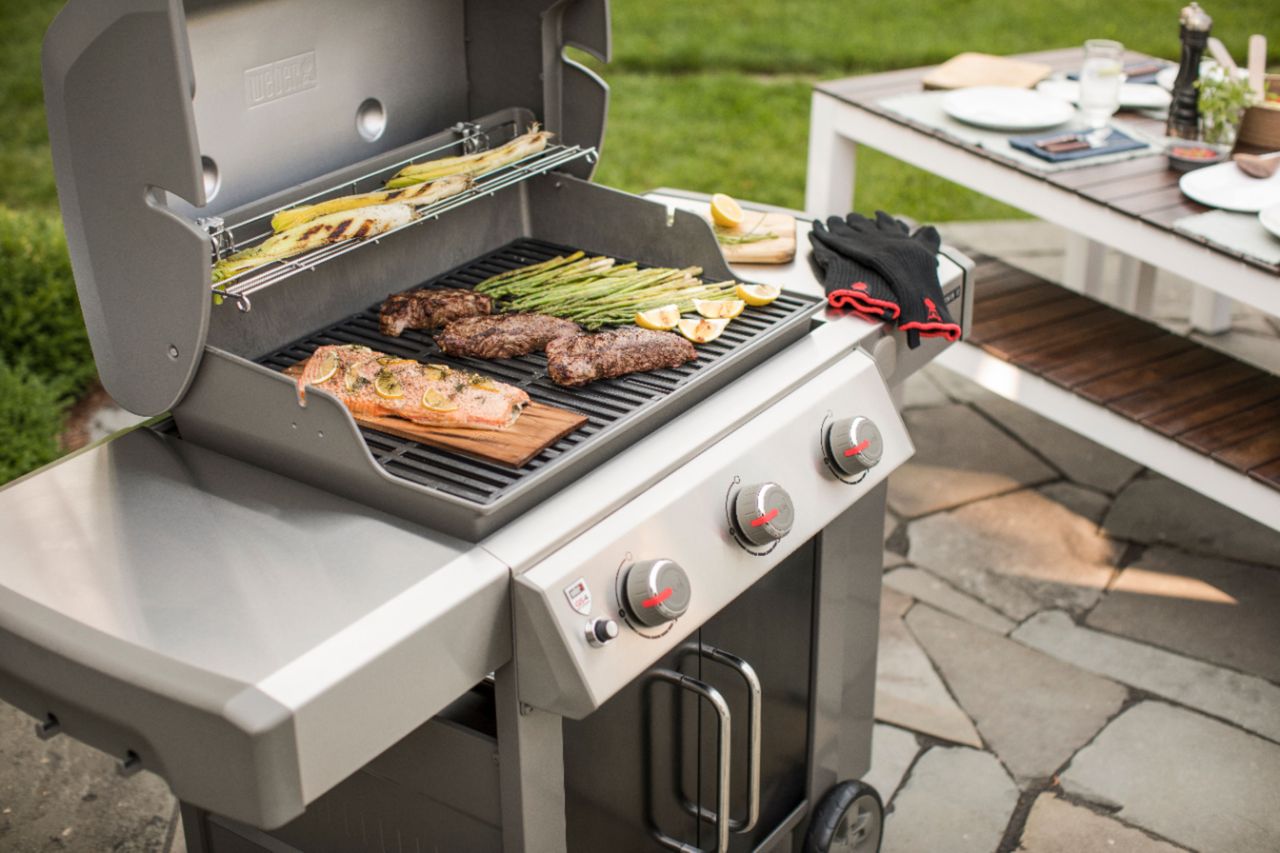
pixel 322 231
pixel 418 195
pixel 472 164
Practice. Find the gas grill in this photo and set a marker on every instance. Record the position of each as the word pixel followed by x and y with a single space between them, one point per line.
pixel 658 633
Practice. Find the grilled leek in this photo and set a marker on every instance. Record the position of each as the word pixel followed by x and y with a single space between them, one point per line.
pixel 472 164
pixel 418 195
pixel 321 231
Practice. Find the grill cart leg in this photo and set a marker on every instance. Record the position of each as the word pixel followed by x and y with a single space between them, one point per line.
pixel 530 772
pixel 850 818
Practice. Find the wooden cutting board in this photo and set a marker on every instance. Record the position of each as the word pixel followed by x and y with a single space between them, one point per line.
pixel 775 250
pixel 538 427
pixel 983 69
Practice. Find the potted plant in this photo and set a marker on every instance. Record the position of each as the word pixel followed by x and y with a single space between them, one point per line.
pixel 1224 97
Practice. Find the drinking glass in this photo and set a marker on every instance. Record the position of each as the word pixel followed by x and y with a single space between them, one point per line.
pixel 1100 80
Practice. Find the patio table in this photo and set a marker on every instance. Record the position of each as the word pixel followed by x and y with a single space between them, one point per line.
pixel 1128 206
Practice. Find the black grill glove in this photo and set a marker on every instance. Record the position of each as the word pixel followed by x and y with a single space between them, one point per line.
pixel 908 263
pixel 849 284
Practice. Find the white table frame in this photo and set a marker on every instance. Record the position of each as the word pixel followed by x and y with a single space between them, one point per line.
pixel 837 128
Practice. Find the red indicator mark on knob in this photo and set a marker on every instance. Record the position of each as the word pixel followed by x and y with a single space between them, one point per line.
pixel 766 518
pixel 858 448
pixel 657 599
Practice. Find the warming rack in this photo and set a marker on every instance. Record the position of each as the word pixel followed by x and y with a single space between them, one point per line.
pixel 241 286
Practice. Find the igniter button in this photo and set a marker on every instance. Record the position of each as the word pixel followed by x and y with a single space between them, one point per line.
pixel 601 631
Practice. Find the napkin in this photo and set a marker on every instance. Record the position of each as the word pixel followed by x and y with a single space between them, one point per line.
pixel 1116 142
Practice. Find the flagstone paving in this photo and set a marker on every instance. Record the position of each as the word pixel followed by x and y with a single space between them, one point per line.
pixel 1074 656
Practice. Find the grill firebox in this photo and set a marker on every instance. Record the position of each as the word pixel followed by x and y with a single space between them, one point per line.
pixel 619 411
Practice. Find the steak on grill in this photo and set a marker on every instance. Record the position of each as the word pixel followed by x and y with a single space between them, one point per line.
pixel 617 352
pixel 429 309
pixel 503 335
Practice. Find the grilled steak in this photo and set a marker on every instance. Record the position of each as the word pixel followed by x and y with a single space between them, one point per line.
pixel 429 309
pixel 503 336
pixel 617 352
pixel 371 383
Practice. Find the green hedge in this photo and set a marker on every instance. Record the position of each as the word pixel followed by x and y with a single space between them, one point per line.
pixel 45 361
pixel 31 415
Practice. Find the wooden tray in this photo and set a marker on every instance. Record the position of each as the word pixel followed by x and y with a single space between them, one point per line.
pixel 983 69
pixel 538 427
pixel 776 250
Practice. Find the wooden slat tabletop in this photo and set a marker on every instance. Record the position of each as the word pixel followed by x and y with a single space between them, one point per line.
pixel 1144 188
pixel 1201 398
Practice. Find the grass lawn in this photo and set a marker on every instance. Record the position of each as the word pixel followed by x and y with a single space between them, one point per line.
pixel 709 95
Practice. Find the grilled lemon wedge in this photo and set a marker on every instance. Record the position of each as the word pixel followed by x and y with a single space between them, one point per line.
pixel 719 309
pixel 758 294
pixel 700 330
pixel 328 366
pixel 659 319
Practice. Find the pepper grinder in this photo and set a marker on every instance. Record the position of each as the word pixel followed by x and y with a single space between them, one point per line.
pixel 1184 111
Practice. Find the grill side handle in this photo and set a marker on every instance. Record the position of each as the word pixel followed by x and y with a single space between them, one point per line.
pixel 118 86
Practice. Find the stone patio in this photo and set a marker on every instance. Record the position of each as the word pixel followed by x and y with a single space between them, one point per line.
pixel 1076 654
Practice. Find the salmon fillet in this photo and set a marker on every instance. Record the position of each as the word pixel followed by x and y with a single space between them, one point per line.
pixel 373 384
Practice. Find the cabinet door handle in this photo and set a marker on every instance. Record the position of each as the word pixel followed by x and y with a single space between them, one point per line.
pixel 748 675
pixel 724 742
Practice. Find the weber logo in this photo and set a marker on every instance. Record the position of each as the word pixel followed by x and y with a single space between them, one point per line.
pixel 280 79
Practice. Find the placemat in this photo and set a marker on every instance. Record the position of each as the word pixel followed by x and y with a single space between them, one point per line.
pixel 925 108
pixel 1235 232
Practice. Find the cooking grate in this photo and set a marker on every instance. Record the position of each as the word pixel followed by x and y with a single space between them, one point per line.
pixel 611 405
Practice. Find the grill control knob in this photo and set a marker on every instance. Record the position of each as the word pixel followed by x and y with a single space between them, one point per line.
pixel 854 445
pixel 763 513
pixel 601 631
pixel 657 591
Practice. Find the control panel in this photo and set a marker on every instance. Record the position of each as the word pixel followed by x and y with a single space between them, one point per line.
pixel 651 572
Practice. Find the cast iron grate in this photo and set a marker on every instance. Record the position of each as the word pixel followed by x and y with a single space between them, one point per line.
pixel 607 404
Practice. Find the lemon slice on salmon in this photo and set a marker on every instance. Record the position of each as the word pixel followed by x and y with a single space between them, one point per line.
pixel 326 368
pixel 725 212
pixel 438 402
pixel 701 330
pixel 659 319
pixel 719 309
pixel 757 294
pixel 387 386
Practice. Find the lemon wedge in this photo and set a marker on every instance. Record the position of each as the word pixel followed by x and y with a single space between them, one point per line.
pixel 701 330
pixel 757 294
pixel 719 309
pixel 437 402
pixel 659 319
pixel 387 386
pixel 725 212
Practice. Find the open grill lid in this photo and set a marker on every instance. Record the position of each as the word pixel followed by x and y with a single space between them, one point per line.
pixel 162 113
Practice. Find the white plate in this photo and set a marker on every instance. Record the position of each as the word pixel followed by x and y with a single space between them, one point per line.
pixel 1226 187
pixel 1270 219
pixel 1134 96
pixel 1006 108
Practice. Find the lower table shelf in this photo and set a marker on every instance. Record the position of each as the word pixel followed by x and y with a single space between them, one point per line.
pixel 1189 412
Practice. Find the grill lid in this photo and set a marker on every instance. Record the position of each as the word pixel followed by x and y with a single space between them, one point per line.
pixel 162 113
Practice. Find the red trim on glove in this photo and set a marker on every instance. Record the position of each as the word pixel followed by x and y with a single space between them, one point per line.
pixel 950 331
pixel 864 304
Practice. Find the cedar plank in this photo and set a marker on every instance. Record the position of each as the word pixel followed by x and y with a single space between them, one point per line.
pixel 1219 404
pixel 1166 395
pixel 1120 383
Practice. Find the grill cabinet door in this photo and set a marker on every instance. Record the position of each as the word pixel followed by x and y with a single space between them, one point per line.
pixel 769 626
